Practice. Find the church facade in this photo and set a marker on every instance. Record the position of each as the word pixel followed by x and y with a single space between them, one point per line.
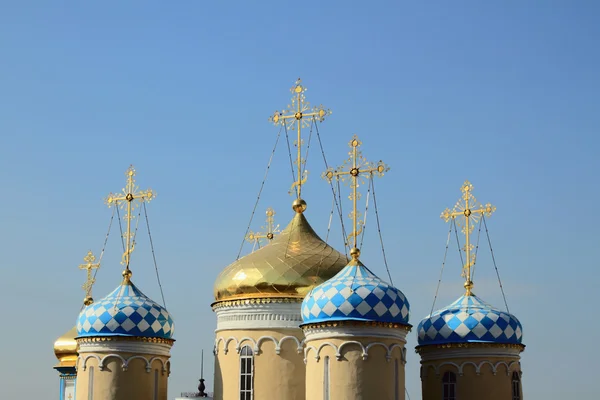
pixel 298 320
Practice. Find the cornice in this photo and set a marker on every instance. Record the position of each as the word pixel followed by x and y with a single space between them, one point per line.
pixel 255 300
pixel 261 315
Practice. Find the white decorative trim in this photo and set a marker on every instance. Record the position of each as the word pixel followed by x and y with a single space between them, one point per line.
pixel 468 352
pixel 115 346
pixel 460 367
pixel 124 361
pixel 315 333
pixel 365 349
pixel 255 344
pixel 259 316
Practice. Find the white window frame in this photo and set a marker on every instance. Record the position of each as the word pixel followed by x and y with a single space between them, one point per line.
pixel 246 373
pixel 449 382
pixel 516 386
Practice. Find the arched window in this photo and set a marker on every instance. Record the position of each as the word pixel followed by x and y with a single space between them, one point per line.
pixel 326 378
pixel 396 383
pixel 91 384
pixel 516 386
pixel 449 384
pixel 246 373
pixel 155 384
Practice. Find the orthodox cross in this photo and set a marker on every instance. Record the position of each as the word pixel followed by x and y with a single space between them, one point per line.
pixel 355 170
pixel 129 194
pixel 472 211
pixel 297 113
pixel 87 286
pixel 270 229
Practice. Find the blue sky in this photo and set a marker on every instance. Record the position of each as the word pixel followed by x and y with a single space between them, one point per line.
pixel 504 94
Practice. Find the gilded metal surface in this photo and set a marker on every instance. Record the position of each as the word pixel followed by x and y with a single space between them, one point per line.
pixel 126 200
pixel 65 349
pixel 241 302
pixel 355 171
pixel 299 113
pixel 294 262
pixel 270 230
pixel 469 208
pixel 87 286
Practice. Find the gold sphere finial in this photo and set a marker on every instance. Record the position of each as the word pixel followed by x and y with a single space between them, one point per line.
pixel 127 275
pixel 354 253
pixel 468 286
pixel 88 300
pixel 299 206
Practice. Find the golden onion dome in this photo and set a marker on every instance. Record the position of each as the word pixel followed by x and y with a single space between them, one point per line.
pixel 289 266
pixel 65 349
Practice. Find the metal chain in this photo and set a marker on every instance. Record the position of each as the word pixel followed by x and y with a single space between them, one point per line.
pixel 476 252
pixel 379 230
pixel 443 265
pixel 153 255
pixel 338 202
pixel 105 241
pixel 287 138
pixel 120 225
pixel 262 185
pixel 364 227
pixel 494 260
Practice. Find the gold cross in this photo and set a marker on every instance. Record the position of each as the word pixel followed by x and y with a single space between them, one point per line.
pixel 129 193
pixel 297 113
pixel 270 229
pixel 87 286
pixel 469 208
pixel 355 170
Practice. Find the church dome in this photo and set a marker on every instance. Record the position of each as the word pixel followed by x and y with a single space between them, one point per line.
pixel 65 349
pixel 469 319
pixel 125 312
pixel 355 293
pixel 289 266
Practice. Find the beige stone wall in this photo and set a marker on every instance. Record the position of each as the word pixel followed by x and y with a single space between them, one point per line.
pixel 352 377
pixel 111 382
pixel 477 377
pixel 276 376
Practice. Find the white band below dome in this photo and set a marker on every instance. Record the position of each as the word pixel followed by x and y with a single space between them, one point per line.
pixel 124 346
pixel 432 353
pixel 259 316
pixel 316 333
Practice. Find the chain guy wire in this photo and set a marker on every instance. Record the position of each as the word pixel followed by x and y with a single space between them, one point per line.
pixel 120 226
pixel 262 185
pixel 494 260
pixel 337 198
pixel 362 236
pixel 287 138
pixel 437 289
pixel 379 231
pixel 476 251
pixel 105 241
pixel 312 124
pixel 154 255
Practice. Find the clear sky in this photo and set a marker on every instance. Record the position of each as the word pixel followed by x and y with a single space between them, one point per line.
pixel 502 93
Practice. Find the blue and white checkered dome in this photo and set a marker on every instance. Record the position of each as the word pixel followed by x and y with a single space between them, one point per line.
pixel 355 294
pixel 470 320
pixel 125 312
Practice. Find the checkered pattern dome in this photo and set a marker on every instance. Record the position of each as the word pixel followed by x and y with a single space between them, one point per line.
pixel 125 312
pixel 470 319
pixel 355 293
